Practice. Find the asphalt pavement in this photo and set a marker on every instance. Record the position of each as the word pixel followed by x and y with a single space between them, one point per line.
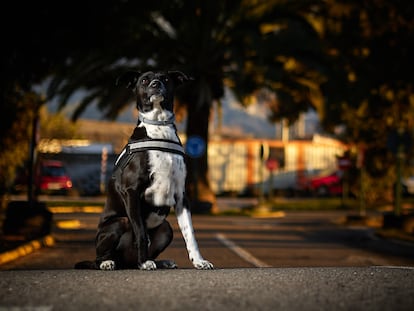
pixel 373 288
pixel 357 272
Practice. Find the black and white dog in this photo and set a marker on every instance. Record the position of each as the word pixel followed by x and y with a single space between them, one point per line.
pixel 148 179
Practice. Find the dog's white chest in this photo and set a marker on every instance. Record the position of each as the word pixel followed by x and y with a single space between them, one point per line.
pixel 167 170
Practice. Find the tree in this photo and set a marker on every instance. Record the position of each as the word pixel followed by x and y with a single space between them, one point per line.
pixel 244 45
pixel 14 141
pixel 36 40
pixel 57 126
pixel 369 44
pixel 370 48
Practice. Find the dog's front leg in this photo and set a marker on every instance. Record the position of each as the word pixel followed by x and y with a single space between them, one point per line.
pixel 187 230
pixel 138 227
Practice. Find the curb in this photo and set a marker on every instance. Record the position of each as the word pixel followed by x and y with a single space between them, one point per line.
pixel 47 240
pixel 265 210
pixel 275 214
pixel 76 209
pixel 26 249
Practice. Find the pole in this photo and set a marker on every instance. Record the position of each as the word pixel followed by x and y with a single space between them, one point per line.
pixel 31 187
pixel 345 187
pixel 262 182
pixel 361 166
pixel 398 185
pixel 264 154
pixel 104 160
pixel 271 186
pixel 362 205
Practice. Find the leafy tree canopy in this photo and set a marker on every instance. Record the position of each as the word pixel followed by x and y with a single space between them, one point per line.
pixel 348 59
pixel 370 87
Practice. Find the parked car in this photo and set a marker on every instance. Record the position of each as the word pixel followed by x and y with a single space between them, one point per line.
pixel 52 177
pixel 327 183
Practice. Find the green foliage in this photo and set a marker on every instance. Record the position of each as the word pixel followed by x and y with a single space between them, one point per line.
pixel 241 44
pixel 15 140
pixel 57 126
pixel 370 86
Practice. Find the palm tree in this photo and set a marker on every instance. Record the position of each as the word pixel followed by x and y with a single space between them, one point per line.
pixel 243 45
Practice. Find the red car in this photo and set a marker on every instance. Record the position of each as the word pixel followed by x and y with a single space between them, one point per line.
pixel 53 178
pixel 327 183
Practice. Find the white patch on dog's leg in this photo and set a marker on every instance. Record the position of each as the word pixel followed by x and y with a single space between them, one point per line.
pixel 107 265
pixel 187 230
pixel 148 265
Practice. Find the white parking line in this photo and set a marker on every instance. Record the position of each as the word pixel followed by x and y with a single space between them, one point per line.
pixel 26 308
pixel 394 267
pixel 245 255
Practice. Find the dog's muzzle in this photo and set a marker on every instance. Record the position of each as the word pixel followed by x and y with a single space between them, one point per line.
pixel 157 88
pixel 156 84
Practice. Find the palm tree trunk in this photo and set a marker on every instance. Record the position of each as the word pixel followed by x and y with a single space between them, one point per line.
pixel 198 185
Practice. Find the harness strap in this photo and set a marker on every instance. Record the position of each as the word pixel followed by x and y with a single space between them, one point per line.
pixel 157 144
pixel 151 144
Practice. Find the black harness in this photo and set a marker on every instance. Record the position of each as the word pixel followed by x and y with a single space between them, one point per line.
pixel 164 145
pixel 145 144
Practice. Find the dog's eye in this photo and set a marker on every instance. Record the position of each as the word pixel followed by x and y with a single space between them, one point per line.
pixel 144 81
pixel 165 79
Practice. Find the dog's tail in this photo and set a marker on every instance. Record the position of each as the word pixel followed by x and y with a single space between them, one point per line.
pixel 87 264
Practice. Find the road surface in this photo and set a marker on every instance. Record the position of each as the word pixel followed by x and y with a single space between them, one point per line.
pixel 223 289
pixel 303 261
pixel 300 239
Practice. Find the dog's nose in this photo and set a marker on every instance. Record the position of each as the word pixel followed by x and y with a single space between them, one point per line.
pixel 155 83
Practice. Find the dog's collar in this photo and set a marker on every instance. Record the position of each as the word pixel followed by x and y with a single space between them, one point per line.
pixel 170 120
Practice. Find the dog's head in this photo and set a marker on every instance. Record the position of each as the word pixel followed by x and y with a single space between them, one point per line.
pixel 153 89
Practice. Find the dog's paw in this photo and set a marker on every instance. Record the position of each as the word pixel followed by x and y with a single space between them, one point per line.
pixel 107 265
pixel 203 265
pixel 148 265
pixel 166 264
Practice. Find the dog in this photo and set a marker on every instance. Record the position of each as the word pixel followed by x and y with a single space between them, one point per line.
pixel 147 181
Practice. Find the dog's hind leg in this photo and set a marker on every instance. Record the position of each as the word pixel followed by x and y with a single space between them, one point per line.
pixel 159 238
pixel 107 240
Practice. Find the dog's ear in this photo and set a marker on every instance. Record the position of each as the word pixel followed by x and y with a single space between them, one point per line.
pixel 179 77
pixel 129 79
